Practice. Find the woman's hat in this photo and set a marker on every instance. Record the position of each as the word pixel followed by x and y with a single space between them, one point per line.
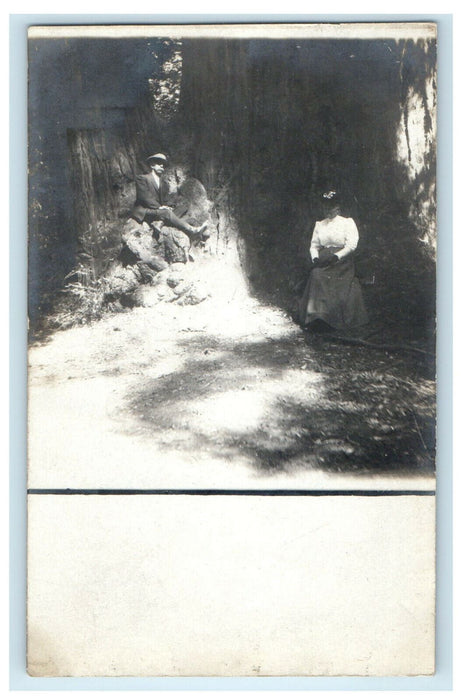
pixel 330 196
pixel 159 157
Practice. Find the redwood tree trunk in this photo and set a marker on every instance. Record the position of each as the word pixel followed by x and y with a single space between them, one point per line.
pixel 281 121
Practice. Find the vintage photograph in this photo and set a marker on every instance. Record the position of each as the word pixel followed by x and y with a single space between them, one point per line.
pixel 232 242
pixel 231 386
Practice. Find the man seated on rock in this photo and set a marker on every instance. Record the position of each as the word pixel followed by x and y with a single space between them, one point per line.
pixel 152 196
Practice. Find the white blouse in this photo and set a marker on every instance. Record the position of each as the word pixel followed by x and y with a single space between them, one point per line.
pixel 338 231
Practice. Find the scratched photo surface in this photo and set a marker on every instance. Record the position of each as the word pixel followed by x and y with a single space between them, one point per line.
pixel 231 274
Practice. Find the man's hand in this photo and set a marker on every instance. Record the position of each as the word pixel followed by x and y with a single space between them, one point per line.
pixel 164 207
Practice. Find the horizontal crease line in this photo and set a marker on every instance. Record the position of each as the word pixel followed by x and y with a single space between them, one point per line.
pixel 226 492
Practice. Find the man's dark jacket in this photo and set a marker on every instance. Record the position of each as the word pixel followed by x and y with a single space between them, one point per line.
pixel 148 196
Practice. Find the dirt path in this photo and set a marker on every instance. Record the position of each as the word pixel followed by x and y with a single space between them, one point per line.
pixel 223 395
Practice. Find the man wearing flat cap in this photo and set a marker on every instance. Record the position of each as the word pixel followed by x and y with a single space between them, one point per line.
pixel 152 195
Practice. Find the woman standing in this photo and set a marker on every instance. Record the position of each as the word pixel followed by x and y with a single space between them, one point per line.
pixel 333 293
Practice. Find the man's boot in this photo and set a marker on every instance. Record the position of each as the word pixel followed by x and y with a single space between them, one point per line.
pixel 198 233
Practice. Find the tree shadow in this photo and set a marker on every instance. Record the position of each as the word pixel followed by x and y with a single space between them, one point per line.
pixel 284 406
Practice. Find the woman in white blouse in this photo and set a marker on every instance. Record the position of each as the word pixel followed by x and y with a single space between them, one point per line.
pixel 333 293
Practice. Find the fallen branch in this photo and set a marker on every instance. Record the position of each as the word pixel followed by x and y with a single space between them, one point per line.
pixel 376 346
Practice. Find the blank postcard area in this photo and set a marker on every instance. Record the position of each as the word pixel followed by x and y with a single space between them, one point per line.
pixel 181 586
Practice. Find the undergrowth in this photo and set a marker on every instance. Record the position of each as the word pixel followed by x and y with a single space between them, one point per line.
pixel 83 298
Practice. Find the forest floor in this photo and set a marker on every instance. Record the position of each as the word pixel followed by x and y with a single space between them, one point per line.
pixel 225 395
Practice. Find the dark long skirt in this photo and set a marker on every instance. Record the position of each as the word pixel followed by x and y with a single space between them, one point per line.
pixel 333 295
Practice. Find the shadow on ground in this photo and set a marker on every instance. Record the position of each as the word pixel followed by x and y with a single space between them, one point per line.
pixel 291 404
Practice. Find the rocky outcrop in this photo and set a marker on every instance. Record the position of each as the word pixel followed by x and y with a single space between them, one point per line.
pixel 160 263
pixel 140 246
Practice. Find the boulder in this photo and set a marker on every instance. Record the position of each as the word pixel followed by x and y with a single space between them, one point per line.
pixel 122 280
pixel 192 201
pixel 149 296
pixel 150 267
pixel 174 279
pixel 161 277
pixel 147 274
pixel 139 246
pixel 194 294
pixel 132 226
pixel 181 288
pixel 175 245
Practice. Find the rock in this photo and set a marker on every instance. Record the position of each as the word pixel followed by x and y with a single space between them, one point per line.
pixel 150 271
pixel 122 280
pixel 139 246
pixel 161 278
pixel 192 201
pixel 149 296
pixel 147 274
pixel 176 245
pixel 191 204
pixel 117 307
pixel 128 300
pixel 132 226
pixel 174 279
pixel 196 294
pixel 182 287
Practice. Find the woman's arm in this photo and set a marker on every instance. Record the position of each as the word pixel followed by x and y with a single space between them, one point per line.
pixel 351 239
pixel 315 244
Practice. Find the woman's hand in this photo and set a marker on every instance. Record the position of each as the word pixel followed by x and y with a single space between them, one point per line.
pixel 327 260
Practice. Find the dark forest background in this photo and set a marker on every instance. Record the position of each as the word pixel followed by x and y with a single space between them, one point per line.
pixel 266 125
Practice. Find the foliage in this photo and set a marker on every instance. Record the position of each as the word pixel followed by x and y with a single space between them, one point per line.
pixel 82 299
pixel 165 87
